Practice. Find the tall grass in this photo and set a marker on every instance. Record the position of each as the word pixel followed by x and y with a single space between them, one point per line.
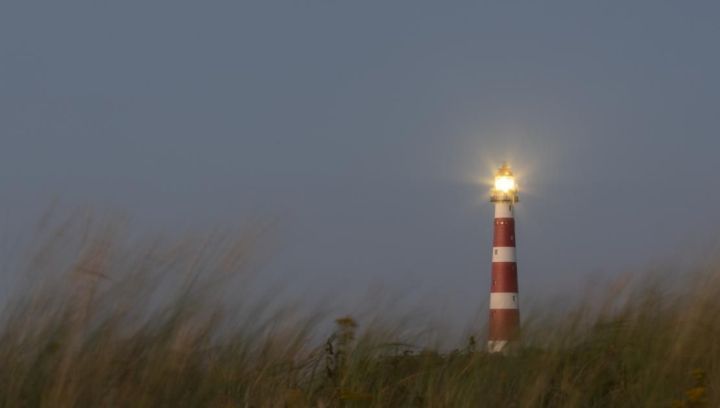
pixel 108 319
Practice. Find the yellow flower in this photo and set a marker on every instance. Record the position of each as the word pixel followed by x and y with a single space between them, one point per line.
pixel 698 375
pixel 696 394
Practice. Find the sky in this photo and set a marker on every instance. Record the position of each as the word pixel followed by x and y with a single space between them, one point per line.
pixel 367 131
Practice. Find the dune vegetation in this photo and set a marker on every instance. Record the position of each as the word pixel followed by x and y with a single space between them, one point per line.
pixel 106 318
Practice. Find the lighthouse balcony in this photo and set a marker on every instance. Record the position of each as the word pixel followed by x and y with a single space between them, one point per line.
pixel 504 198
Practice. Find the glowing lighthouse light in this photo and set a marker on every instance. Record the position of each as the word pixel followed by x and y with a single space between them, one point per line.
pixel 504 323
pixel 504 183
pixel 505 186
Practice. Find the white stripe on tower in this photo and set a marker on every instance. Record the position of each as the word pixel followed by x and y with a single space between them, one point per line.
pixel 504 210
pixel 504 301
pixel 503 254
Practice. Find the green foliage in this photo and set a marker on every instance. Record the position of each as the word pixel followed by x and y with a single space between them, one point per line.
pixel 112 336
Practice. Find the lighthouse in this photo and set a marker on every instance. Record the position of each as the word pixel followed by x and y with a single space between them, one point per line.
pixel 504 323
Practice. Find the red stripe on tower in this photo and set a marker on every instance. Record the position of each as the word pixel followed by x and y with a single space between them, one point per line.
pixel 504 323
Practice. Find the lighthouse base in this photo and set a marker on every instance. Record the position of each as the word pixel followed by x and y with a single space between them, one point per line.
pixel 501 346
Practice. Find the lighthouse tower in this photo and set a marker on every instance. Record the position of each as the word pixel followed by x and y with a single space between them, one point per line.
pixel 504 323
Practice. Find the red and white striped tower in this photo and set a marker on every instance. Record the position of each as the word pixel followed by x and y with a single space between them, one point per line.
pixel 504 324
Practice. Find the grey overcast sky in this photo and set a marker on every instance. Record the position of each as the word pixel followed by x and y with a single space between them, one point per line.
pixel 366 128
